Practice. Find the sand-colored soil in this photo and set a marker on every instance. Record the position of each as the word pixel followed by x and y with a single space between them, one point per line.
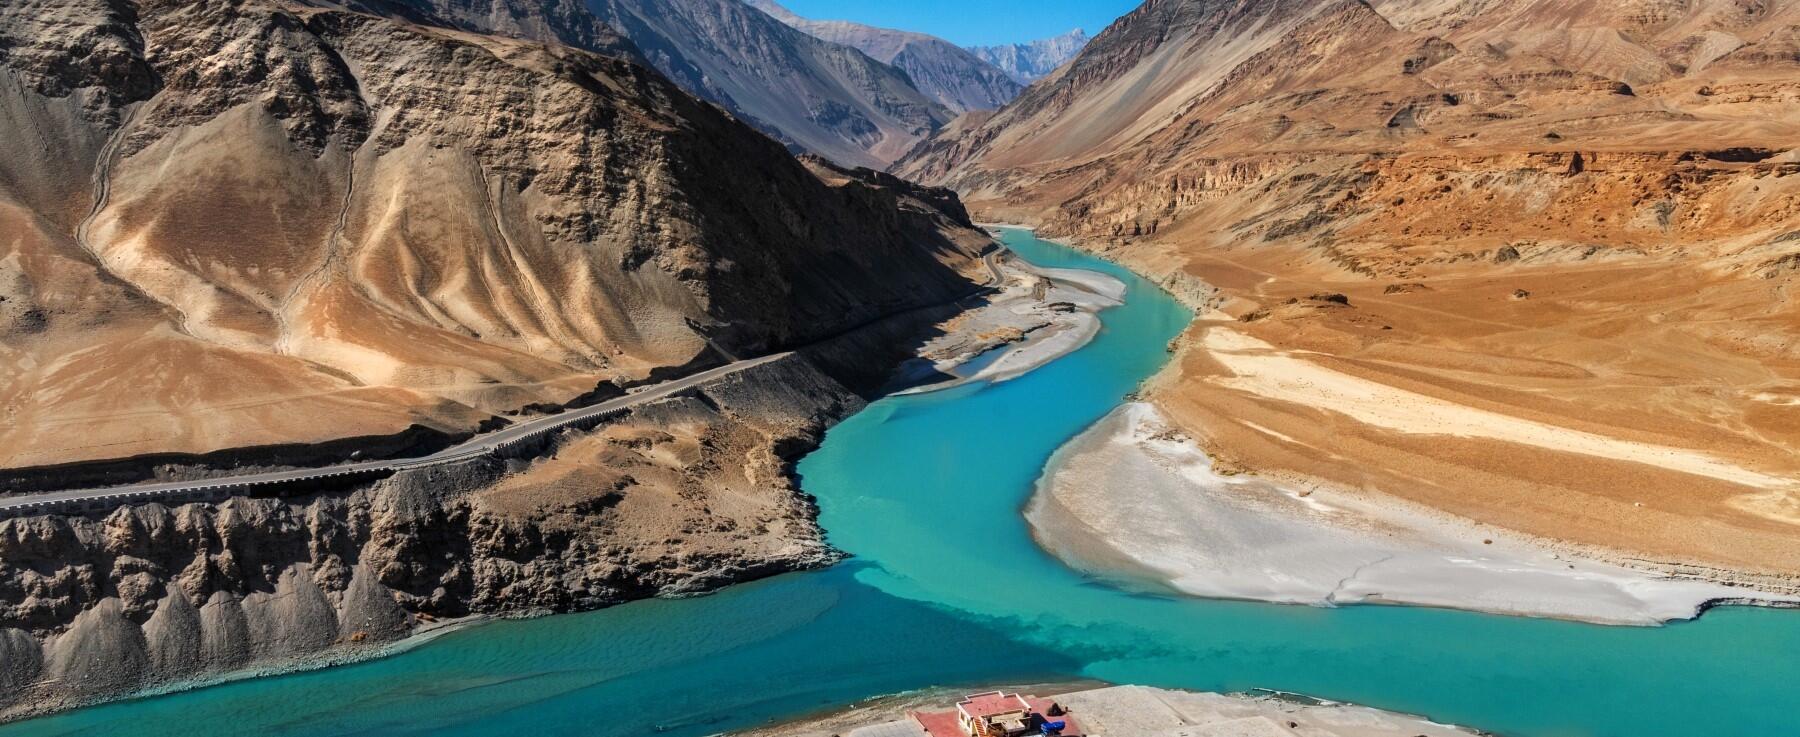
pixel 1566 238
pixel 675 481
pixel 1262 369
pixel 1630 410
pixel 1134 498
pixel 1141 711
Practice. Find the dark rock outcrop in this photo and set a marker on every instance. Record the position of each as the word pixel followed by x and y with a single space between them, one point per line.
pixel 96 608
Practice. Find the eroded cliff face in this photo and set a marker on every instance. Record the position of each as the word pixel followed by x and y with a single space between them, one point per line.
pixel 683 495
pixel 1554 216
pixel 250 222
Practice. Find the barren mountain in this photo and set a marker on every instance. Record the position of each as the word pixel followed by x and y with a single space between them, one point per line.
pixel 278 232
pixel 255 223
pixel 566 22
pixel 1029 62
pixel 823 97
pixel 954 77
pixel 1527 262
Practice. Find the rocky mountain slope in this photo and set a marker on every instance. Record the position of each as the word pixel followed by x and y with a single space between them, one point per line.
pixel 245 224
pixel 566 22
pixel 1527 262
pixel 1029 62
pixel 823 97
pixel 683 495
pixel 949 74
pixel 251 231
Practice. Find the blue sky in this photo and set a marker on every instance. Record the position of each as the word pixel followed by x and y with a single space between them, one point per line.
pixel 972 22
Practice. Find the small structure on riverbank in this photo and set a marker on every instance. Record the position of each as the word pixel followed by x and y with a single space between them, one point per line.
pixel 998 714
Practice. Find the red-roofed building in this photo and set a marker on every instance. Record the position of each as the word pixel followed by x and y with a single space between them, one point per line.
pixel 998 714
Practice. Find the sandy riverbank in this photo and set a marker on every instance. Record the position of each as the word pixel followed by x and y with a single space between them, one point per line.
pixel 1132 497
pixel 1138 711
pixel 1593 412
pixel 1038 316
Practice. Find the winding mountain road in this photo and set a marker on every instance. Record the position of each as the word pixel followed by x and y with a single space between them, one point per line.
pixel 475 447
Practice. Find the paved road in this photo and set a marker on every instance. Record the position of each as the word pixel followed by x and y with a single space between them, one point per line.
pixel 992 259
pixel 475 447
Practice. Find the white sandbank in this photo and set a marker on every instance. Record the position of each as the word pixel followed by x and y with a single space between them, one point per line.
pixel 1095 282
pixel 1061 337
pixel 1054 310
pixel 1130 496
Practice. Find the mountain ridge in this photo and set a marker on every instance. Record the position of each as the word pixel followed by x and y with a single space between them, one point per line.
pixel 956 78
pixel 822 97
pixel 1028 62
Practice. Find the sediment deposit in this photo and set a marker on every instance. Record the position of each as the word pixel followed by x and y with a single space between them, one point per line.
pixel 1134 500
pixel 1035 315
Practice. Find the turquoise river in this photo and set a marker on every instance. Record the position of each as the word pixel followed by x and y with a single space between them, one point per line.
pixel 947 588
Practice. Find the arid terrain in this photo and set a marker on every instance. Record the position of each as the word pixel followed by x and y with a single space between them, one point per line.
pixel 211 244
pixel 258 234
pixel 1523 269
pixel 682 495
pixel 1527 263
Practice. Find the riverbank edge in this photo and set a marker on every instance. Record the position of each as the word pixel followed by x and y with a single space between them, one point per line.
pixel 1202 297
pixel 1320 548
pixel 873 715
pixel 1047 332
pixel 850 358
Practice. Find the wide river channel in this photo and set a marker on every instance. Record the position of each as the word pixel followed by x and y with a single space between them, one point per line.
pixel 946 587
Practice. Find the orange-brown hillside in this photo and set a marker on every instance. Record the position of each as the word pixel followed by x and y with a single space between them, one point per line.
pixel 237 224
pixel 1524 261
